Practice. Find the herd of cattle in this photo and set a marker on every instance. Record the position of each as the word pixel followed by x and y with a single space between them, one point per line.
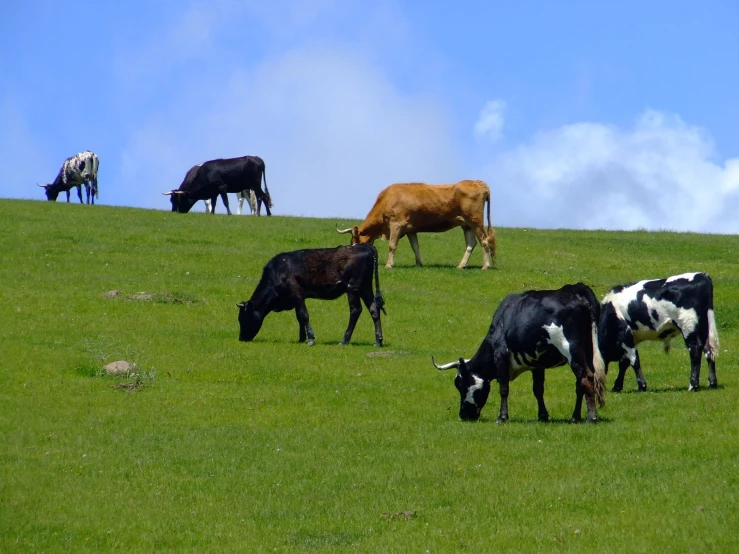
pixel 531 331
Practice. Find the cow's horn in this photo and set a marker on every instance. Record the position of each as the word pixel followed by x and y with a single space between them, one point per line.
pixel 179 192
pixel 168 193
pixel 450 365
pixel 42 186
pixel 343 231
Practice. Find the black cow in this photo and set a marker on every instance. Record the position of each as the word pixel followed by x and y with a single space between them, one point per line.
pixel 218 177
pixel 660 309
pixel 80 169
pixel 325 273
pixel 533 331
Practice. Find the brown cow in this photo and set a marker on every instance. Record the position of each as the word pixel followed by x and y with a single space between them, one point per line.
pixel 410 208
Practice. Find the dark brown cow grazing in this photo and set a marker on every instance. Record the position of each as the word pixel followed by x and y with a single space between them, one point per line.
pixel 411 208
pixel 290 278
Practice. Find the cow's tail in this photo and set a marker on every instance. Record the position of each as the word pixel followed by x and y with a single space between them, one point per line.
pixel 490 231
pixel 95 165
pixel 266 190
pixel 599 368
pixel 379 300
pixel 712 348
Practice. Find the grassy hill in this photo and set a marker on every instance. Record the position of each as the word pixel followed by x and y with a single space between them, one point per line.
pixel 269 446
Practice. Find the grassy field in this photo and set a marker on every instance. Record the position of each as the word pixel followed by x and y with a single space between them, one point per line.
pixel 268 446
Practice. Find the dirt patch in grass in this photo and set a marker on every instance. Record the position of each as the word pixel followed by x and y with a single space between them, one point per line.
pixel 167 297
pixel 133 386
pixel 387 353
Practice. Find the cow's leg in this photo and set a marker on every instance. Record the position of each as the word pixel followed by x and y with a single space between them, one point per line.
pixel 482 236
pixel 301 333
pixel 87 193
pixel 413 239
pixel 355 309
pixel 504 388
pixel 79 193
pixel 301 312
pixel 392 245
pixel 623 365
pixel 538 375
pixel 213 202
pixel 640 381
pixel 224 197
pixel 252 202
pixel 584 386
pixel 469 237
pixel 240 199
pixel 369 301
pixel 712 381
pixel 695 350
pixel 68 195
pixel 261 197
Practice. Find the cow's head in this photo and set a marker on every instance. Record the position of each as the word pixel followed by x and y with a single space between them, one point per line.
pixel 357 237
pixel 181 201
pixel 250 321
pixel 473 389
pixel 52 192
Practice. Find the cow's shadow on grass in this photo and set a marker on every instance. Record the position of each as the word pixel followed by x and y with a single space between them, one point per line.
pixel 661 390
pixel 402 267
pixel 534 421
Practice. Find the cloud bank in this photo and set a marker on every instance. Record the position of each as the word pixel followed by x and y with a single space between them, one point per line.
pixel 660 174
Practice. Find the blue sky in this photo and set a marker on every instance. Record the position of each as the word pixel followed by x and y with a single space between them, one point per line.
pixel 577 114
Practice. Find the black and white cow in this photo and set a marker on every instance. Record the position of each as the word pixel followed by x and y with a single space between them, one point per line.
pixel 210 179
pixel 80 169
pixel 660 309
pixel 290 278
pixel 534 331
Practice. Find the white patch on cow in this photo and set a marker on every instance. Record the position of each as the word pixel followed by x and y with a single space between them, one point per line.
pixel 630 353
pixel 686 276
pixel 623 298
pixel 474 388
pixel 665 316
pixel 558 340
pixel 713 344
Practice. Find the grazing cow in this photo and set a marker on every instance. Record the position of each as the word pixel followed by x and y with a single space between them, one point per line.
pixel 247 194
pixel 325 273
pixel 660 309
pixel 218 177
pixel 533 331
pixel 411 208
pixel 80 169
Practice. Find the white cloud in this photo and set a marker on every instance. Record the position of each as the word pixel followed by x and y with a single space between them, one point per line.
pixel 331 127
pixel 490 122
pixel 660 174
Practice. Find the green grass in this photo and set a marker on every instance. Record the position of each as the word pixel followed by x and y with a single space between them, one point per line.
pixel 274 446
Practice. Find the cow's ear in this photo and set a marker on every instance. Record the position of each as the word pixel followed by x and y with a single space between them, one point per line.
pixel 462 366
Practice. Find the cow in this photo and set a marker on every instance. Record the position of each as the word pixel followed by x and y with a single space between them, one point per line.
pixel 247 194
pixel 219 177
pixel 80 169
pixel 534 331
pixel 410 208
pixel 290 278
pixel 660 309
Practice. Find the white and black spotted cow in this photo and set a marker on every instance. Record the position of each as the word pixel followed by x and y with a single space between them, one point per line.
pixel 660 309
pixel 80 169
pixel 534 331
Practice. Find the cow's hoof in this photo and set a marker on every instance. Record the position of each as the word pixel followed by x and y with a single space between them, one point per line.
pixel 643 388
pixel 311 342
pixel 616 389
pixel 501 420
pixel 713 385
pixel 692 388
pixel 544 418
pixel 592 420
pixel 576 420
pixel 378 344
